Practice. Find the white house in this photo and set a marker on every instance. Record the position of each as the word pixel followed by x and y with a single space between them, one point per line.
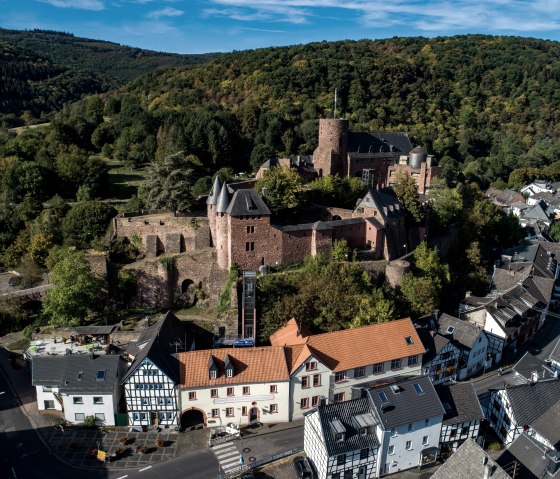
pixel 538 186
pixel 79 385
pixel 332 364
pixel 150 383
pixel 410 417
pixel 341 441
pixel 234 385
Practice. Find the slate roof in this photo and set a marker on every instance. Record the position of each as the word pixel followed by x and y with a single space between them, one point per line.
pixel 94 330
pixel 156 344
pixel 548 424
pixel 407 405
pixel 247 202
pixel 464 333
pixel 379 142
pixel 346 412
pixel 77 372
pixel 530 401
pixel 468 463
pixel 322 225
pixel 215 191
pixel 251 365
pixel 529 364
pixel 530 456
pixel 503 197
pixel 222 202
pixel 460 403
pixel 385 200
pixel 351 348
pixel 433 343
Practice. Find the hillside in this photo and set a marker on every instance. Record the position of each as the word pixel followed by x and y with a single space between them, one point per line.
pixel 41 70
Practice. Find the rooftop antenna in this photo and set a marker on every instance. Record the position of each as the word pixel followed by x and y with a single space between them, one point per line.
pixel 335 99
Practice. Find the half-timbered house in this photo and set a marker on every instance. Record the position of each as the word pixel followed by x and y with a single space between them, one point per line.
pixel 441 359
pixel 151 381
pixel 462 417
pixel 341 440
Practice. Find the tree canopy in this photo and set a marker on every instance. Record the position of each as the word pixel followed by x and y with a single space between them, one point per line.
pixel 283 187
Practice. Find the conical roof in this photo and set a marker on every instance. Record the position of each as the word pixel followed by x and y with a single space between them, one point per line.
pixel 223 200
pixel 215 192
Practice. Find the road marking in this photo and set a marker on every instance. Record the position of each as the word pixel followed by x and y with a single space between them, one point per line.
pixel 122 477
pixel 146 468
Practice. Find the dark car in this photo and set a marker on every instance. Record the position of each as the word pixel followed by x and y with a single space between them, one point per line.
pixel 302 467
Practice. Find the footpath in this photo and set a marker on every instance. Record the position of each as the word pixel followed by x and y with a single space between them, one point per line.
pixel 75 445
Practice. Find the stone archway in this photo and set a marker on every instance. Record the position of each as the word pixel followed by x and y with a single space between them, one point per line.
pixel 188 292
pixel 336 218
pixel 192 419
pixel 185 285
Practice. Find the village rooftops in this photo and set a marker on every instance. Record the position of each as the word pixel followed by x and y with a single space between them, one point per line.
pixel 529 366
pixel 77 372
pixel 348 426
pixel 60 347
pixel 250 365
pixel 405 401
pixel 470 461
pixel 461 332
pixel 351 348
pixel 291 333
pixel 460 403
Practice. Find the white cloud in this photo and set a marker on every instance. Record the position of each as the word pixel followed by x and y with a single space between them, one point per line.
pixel 95 5
pixel 427 15
pixel 165 12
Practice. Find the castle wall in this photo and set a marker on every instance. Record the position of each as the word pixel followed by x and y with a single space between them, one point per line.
pixel 222 241
pixel 211 212
pixel 296 245
pixel 194 230
pixel 354 234
pixel 321 242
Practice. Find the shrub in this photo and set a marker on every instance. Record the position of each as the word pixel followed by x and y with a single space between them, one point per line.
pixel 89 422
pixel 142 449
pixel 123 440
pixel 494 446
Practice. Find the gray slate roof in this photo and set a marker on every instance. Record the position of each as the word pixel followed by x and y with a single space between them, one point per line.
pixel 460 403
pixel 407 405
pixel 345 412
pixel 77 372
pixel 156 344
pixel 465 334
pixel 222 202
pixel 548 424
pixel 94 330
pixel 530 401
pixel 215 191
pixel 379 142
pixel 529 364
pixel 247 202
pixel 530 455
pixel 468 463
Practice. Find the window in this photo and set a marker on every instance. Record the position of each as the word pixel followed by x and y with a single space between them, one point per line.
pixel 230 392
pixel 146 401
pixel 99 416
pixel 273 408
pixel 425 441
pixel 77 400
pixel 49 404
pixel 409 427
pixel 364 453
pixel 409 341
pixel 396 363
pixel 244 411
pixel 213 374
pixel 213 393
pixel 229 372
pixel 311 366
pixel 97 400
pixel 100 376
pixel 192 396
pixel 316 380
pixel 393 432
pixel 464 430
pixel 215 413
pixel 450 329
pixel 383 396
pixel 336 475
pixel 348 473
pixel 339 397
pixel 339 376
pixel 250 246
pixel 360 372
pixel 446 355
pixel 273 389
pixel 246 390
pixel 426 423
pixel 413 360
pixel 314 401
pixel 341 459
pixel 305 381
pixel 80 375
pixel 408 445
pixel 229 412
pixel 418 388
pixel 391 450
pixel 161 401
pixel 250 229
pixel 378 368
pixel 304 403
pixel 453 432
pixel 80 417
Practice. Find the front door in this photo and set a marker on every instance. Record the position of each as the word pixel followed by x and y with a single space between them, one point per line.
pixel 362 472
pixel 253 414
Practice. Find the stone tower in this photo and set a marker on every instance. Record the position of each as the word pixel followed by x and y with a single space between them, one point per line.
pixel 329 158
pixel 211 207
pixel 222 236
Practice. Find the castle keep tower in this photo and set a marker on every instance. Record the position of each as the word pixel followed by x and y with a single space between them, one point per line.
pixel 330 156
pixel 222 246
pixel 211 208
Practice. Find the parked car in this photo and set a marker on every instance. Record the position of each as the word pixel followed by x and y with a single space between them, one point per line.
pixel 302 467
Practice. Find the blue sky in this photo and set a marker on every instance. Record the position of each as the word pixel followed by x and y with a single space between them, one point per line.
pixel 198 26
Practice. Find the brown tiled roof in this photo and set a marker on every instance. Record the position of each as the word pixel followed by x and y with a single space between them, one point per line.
pixel 291 333
pixel 352 348
pixel 251 365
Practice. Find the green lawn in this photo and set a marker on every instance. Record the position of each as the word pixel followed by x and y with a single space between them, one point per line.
pixel 123 181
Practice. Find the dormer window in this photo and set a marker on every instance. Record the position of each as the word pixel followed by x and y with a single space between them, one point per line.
pixel 212 368
pixel 228 366
pixel 409 340
pixel 213 374
pixel 339 437
pixel 229 372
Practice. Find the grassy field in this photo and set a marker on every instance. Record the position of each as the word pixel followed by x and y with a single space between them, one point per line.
pixel 123 181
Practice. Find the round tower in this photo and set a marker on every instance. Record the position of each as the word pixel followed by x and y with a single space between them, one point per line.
pixel 222 227
pixel 396 270
pixel 417 156
pixel 328 158
pixel 211 208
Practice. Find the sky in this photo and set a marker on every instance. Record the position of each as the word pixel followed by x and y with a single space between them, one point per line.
pixel 200 26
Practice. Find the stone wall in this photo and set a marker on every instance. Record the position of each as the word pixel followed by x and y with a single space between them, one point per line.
pixel 354 234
